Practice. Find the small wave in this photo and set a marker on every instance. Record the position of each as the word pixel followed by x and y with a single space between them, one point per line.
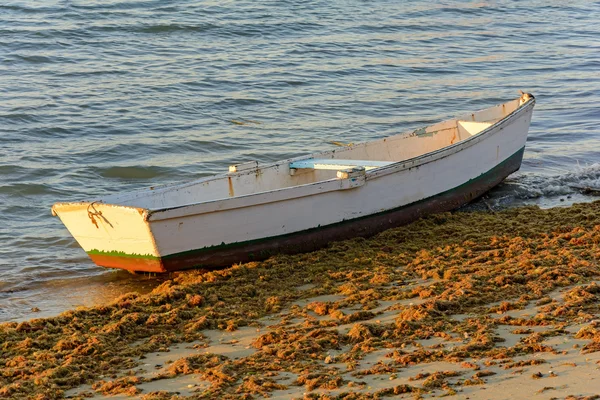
pixel 117 5
pixel 132 172
pixel 18 117
pixel 168 28
pixel 209 147
pixel 36 59
pixel 231 102
pixel 28 189
pixel 92 73
pixel 17 170
pixel 11 173
pixel 534 186
pixel 29 9
pixel 153 28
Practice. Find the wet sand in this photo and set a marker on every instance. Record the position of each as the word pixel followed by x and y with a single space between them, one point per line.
pixel 468 305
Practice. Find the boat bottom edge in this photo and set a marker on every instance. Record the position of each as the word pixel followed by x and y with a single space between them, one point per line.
pixel 132 264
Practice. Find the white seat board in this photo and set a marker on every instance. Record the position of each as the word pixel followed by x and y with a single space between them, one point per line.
pixel 336 164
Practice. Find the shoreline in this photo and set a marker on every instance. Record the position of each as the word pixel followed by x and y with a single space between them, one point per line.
pixel 453 304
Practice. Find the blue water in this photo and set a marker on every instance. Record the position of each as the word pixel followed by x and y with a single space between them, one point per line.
pixel 105 96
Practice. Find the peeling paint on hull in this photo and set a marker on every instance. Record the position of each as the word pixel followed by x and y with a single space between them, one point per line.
pixel 316 238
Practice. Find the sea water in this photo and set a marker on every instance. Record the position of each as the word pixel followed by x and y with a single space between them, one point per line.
pixel 99 97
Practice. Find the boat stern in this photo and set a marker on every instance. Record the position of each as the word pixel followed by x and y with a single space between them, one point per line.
pixel 113 236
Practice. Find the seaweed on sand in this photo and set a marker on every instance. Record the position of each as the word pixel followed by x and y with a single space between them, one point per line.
pixel 463 262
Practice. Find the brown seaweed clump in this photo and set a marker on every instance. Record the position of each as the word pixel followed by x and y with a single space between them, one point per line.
pixel 486 265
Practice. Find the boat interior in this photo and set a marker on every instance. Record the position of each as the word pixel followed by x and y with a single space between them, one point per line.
pixel 251 178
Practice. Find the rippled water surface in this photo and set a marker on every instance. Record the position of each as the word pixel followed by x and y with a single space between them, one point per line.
pixel 106 96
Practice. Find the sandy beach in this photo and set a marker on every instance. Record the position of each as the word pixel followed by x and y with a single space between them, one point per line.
pixel 481 305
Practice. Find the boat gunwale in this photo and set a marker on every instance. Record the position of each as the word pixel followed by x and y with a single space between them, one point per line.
pixel 154 214
pixel 463 144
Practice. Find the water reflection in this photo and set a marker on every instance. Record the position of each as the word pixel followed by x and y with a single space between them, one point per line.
pixel 51 297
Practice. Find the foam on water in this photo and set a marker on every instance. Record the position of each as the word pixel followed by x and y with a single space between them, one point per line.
pixel 528 186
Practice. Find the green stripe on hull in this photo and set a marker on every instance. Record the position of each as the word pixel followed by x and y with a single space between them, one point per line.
pixel 225 246
pixel 97 252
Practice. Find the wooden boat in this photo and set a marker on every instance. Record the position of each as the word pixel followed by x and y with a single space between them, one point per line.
pixel 303 203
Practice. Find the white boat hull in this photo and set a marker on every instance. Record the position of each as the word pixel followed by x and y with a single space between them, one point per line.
pixel 302 217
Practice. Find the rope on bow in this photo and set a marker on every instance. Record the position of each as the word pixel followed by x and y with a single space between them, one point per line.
pixel 95 213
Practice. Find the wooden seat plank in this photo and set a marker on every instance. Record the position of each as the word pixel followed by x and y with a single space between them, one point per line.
pixel 336 164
